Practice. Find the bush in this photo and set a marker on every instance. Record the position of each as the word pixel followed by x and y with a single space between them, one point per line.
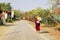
pixel 59 28
pixel 9 20
pixel 1 23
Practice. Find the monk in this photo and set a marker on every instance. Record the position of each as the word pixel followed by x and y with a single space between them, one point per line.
pixel 37 24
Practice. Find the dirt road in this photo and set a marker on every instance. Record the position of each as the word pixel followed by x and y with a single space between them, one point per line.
pixel 23 31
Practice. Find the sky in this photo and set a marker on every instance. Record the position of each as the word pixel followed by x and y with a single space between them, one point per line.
pixel 25 5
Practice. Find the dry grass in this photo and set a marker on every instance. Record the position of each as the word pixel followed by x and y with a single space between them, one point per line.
pixel 51 30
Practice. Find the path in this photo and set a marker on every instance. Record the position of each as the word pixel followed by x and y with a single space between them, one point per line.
pixel 23 31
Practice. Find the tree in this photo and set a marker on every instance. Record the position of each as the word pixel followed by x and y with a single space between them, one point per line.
pixel 17 13
pixel 5 6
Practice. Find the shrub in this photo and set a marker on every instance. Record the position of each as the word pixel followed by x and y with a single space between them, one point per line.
pixel 59 28
pixel 9 20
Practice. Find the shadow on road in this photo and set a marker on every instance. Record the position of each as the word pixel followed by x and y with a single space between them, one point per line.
pixel 44 32
pixel 9 25
pixel 6 25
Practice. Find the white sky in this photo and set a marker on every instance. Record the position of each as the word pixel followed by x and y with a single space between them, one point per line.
pixel 26 5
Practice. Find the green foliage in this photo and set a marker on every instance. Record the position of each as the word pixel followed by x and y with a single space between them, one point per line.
pixel 17 13
pixel 5 6
pixel 0 12
pixel 1 23
pixel 58 28
pixel 45 14
pixel 8 20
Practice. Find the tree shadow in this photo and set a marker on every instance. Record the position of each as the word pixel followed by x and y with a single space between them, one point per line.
pixel 9 25
pixel 43 32
pixel 6 25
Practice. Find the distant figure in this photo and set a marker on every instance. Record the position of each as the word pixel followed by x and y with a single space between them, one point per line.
pixel 5 15
pixel 12 15
pixel 37 23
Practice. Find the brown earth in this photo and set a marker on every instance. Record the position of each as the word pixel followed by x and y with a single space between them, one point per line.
pixel 51 30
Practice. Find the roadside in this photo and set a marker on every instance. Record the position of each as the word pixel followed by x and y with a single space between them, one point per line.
pixel 6 27
pixel 50 35
pixel 52 31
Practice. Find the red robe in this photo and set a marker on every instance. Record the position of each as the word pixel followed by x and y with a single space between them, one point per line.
pixel 37 26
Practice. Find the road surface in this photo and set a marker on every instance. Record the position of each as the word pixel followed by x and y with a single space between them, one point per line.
pixel 23 31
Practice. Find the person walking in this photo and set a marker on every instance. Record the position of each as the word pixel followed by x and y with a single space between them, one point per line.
pixel 37 24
